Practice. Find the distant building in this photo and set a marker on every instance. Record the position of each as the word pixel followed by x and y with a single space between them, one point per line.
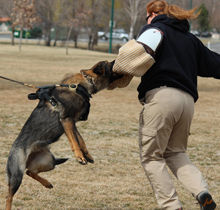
pixel 5 23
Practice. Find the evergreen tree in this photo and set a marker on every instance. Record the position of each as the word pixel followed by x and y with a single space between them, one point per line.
pixel 203 18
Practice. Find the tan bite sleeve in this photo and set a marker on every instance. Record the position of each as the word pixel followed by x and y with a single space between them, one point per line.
pixel 132 61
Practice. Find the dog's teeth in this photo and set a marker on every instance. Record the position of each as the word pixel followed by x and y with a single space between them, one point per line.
pixel 88 77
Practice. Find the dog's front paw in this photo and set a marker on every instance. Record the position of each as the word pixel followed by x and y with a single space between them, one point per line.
pixel 81 160
pixel 88 157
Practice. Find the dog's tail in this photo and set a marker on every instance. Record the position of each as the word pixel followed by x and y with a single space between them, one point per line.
pixel 60 160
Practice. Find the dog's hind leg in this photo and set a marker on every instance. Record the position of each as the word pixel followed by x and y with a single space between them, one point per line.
pixel 42 161
pixel 13 187
pixel 83 147
pixel 9 200
pixel 71 132
pixel 15 169
pixel 43 181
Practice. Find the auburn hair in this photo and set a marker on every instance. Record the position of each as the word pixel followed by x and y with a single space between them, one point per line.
pixel 162 7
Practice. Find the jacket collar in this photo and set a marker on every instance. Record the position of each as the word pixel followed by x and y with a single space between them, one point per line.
pixel 180 25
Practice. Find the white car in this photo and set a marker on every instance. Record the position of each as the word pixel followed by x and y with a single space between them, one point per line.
pixel 195 32
pixel 116 34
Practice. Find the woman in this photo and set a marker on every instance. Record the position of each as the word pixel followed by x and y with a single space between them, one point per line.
pixel 168 90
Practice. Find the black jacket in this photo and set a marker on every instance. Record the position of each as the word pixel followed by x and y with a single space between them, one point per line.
pixel 180 58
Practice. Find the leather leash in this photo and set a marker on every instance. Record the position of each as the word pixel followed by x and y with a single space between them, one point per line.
pixel 21 83
pixel 44 92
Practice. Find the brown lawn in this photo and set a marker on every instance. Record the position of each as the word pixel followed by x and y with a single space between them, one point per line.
pixel 116 179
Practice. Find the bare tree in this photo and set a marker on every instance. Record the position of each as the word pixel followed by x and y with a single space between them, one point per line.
pixel 91 23
pixel 76 20
pixel 75 23
pixel 46 10
pixel 213 8
pixel 94 13
pixel 61 11
pixel 98 16
pixel 135 9
pixel 24 14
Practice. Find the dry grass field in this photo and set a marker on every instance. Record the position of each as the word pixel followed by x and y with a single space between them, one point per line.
pixel 116 180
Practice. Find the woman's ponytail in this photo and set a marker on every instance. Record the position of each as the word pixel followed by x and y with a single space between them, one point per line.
pixel 173 11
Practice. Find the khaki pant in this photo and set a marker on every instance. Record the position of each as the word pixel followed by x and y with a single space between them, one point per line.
pixel 163 133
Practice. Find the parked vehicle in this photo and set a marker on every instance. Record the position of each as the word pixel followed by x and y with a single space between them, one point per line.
pixel 195 32
pixel 205 34
pixel 116 34
pixel 101 34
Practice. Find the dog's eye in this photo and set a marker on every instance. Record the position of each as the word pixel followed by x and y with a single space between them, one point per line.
pixel 98 71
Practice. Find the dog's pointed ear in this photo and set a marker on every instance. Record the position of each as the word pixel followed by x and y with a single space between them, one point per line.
pixel 108 68
pixel 114 76
pixel 112 63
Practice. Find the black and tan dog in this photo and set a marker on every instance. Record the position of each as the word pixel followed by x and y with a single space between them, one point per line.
pixel 56 113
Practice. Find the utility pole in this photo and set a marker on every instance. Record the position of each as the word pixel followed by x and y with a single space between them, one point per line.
pixel 111 26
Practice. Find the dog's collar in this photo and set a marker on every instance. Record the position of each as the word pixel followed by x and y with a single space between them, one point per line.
pixel 83 92
pixel 89 80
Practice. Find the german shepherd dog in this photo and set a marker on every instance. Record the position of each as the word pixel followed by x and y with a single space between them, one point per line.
pixel 49 120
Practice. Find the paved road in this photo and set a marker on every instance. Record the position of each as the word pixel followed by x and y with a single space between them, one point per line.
pixel 5 36
pixel 213 47
pixel 115 41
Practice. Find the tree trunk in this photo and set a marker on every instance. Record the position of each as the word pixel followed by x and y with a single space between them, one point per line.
pixel 48 38
pixel 12 35
pixel 67 40
pixel 90 42
pixel 75 39
pixel 55 42
pixel 57 35
pixel 21 32
pixel 95 39
pixel 131 34
pixel 26 36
